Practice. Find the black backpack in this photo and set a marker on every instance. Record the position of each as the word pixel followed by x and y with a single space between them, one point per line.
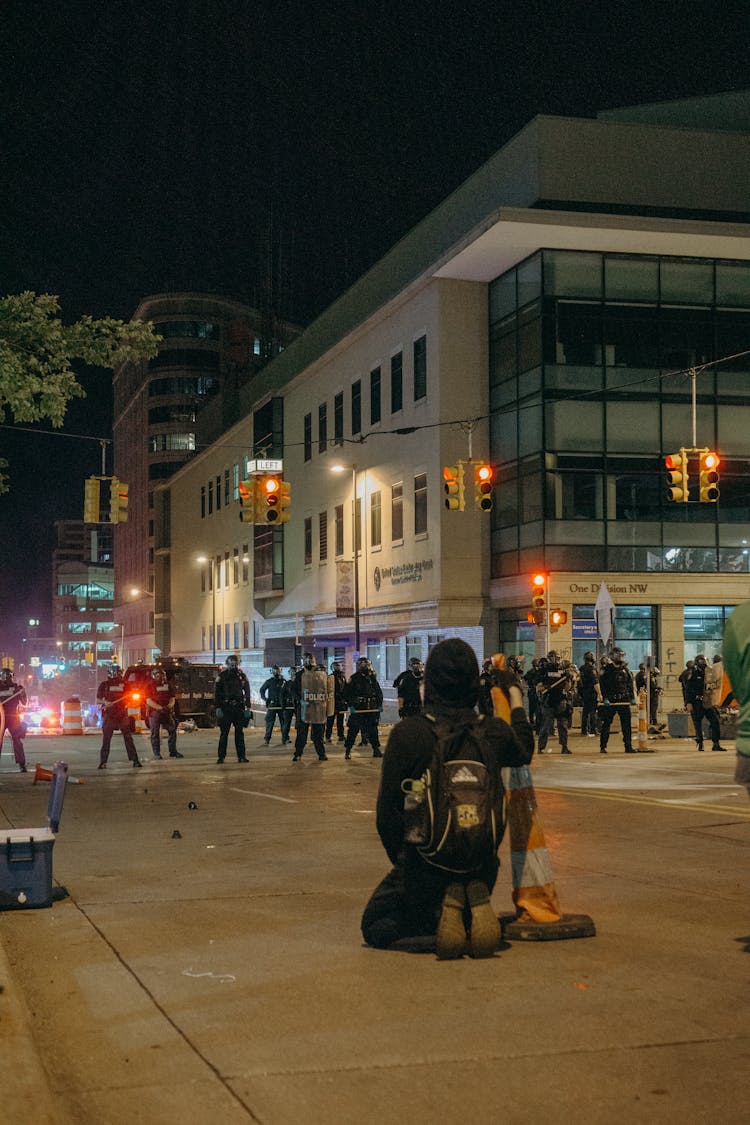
pixel 454 812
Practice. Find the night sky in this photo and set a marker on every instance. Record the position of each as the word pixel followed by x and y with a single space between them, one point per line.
pixel 145 145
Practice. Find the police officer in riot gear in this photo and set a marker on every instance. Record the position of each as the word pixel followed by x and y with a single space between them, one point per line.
pixel 617 692
pixel 13 699
pixel 407 684
pixel 232 699
pixel 160 712
pixel 113 697
pixel 365 699
pixel 277 696
pixel 337 682
pixel 589 682
pixel 312 692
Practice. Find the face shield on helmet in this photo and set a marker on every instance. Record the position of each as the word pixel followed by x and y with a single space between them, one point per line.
pixel 232 662
pixel 618 656
pixel 160 675
pixel 336 666
pixel 417 667
pixel 276 670
pixel 310 661
pixel 364 665
pixel 589 657
pixel 6 676
pixel 115 671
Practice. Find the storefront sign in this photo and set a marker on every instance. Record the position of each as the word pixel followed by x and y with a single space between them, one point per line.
pixel 585 631
pixel 401 574
pixel 595 587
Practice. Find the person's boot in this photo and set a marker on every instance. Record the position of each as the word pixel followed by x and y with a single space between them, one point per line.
pixel 136 763
pixel 451 941
pixel 717 747
pixel 484 937
pixel 700 746
pixel 377 754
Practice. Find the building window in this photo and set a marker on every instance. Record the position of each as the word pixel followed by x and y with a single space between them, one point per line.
pixel 236 634
pixel 226 488
pixel 218 492
pixel 161 442
pixel 203 501
pixel 246 634
pixel 420 368
pixel 235 482
pixel 375 396
pixel 339 529
pixel 375 519
pixel 226 637
pixel 322 427
pixel 203 638
pixel 397 512
pixel 203 579
pixel 338 419
pixel 236 566
pixel 308 540
pixel 308 437
pixel 420 504
pixel 210 497
pixel 357 536
pixel 211 637
pixel 323 535
pixel 397 382
pixel 356 407
pixel 245 564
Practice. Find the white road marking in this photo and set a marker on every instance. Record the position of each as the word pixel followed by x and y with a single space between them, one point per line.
pixel 270 796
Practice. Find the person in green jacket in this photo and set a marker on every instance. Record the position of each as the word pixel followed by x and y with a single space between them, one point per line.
pixel 736 651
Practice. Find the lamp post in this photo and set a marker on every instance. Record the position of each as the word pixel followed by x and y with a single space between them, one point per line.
pixel 355 556
pixel 212 580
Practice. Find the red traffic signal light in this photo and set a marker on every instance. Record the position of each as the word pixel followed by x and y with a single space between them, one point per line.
pixel 483 480
pixel 709 477
pixel 270 493
pixel 538 597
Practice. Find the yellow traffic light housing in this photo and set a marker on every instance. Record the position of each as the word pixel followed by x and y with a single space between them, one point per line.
pixel 118 500
pixel 247 501
pixel 538 597
pixel 708 490
pixel 92 500
pixel 269 489
pixel 483 478
pixel 285 500
pixel 453 475
pixel 678 479
pixel 558 617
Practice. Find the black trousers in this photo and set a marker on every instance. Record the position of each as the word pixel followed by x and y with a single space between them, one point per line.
pixel 712 718
pixel 588 714
pixel 606 715
pixel 367 722
pixel 408 901
pixel 337 720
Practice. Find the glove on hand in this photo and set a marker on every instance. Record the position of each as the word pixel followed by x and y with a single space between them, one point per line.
pixel 504 679
pixel 219 713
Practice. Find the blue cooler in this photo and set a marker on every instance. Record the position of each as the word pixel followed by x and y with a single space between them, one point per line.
pixel 26 854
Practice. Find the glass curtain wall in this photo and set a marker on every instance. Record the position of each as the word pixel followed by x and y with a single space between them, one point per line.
pixel 590 357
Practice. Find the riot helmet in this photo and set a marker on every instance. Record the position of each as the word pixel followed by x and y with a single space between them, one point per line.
pixel 276 670
pixel 363 664
pixel 589 658
pixel 233 661
pixel 310 661
pixel 159 675
pixel 417 667
pixel 115 671
pixel 6 676
pixel 618 656
pixel 336 666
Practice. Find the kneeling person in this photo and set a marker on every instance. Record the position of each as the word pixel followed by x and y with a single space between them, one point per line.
pixel 418 897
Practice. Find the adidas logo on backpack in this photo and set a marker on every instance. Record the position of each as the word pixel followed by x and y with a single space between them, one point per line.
pixel 454 811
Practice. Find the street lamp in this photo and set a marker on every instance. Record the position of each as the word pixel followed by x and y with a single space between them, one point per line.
pixel 212 579
pixel 355 556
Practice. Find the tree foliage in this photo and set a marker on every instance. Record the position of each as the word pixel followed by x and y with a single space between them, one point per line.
pixel 37 353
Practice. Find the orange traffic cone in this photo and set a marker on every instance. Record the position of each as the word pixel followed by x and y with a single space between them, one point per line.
pixel 42 774
pixel 538 915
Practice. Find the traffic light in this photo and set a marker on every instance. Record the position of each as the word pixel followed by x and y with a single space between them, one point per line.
pixel 118 501
pixel 558 617
pixel 676 465
pixel 285 499
pixel 709 478
pixel 269 493
pixel 91 500
pixel 247 500
pixel 538 598
pixel 483 475
pixel 453 475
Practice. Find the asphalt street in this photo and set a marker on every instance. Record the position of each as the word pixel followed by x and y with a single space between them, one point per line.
pixel 206 962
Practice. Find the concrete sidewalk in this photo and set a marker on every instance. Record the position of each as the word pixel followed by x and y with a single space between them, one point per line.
pixel 219 973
